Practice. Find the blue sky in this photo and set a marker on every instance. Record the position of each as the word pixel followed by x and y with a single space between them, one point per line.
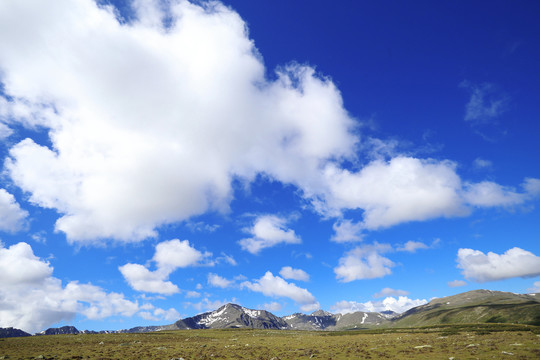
pixel 160 159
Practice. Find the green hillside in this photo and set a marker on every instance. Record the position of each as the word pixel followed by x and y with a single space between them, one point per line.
pixel 479 306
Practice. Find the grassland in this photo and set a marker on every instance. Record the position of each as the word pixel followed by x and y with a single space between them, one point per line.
pixel 485 341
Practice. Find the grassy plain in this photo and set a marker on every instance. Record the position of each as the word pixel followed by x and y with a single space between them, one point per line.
pixel 485 341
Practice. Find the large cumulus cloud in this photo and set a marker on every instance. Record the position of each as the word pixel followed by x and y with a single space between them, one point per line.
pixel 150 124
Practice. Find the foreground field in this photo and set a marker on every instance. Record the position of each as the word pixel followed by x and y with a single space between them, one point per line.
pixel 451 342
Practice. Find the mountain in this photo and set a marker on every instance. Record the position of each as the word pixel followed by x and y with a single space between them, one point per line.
pixel 60 331
pixel 323 320
pixel 231 316
pixel 142 329
pixel 12 332
pixel 478 306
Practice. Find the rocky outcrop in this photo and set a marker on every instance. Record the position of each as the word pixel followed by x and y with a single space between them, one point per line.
pixel 64 330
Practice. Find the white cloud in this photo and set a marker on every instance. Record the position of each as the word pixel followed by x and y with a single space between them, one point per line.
pixel 175 254
pixel 19 266
pixel 207 304
pixel 390 292
pixel 481 267
pixel 531 187
pixel 397 305
pixel 268 231
pixel 486 103
pixel 274 286
pixel 535 288
pixel 39 237
pixel 142 279
pixel 218 281
pixel 402 303
pixel 201 227
pixel 480 163
pixel 132 111
pixel 288 272
pixel 412 246
pixel 400 190
pixel 226 258
pixel 273 306
pixel 489 194
pixel 193 294
pixel 12 217
pixel 169 256
pixel 457 283
pixel 347 231
pixel 5 131
pixel 32 299
pixel 157 314
pixel 364 262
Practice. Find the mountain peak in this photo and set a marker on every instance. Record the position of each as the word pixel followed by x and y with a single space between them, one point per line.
pixel 321 313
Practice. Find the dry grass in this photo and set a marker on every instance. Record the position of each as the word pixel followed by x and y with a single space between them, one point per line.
pixel 436 343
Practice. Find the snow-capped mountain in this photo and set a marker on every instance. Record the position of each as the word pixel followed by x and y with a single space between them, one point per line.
pixel 236 316
pixel 477 306
pixel 323 320
pixel 232 316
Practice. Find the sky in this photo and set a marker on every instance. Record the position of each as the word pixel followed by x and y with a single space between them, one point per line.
pixel 162 158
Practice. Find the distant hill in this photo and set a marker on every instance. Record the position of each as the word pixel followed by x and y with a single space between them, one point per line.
pixel 478 306
pixel 12 332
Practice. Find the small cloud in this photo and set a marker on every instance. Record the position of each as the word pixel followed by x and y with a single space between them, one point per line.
pixel 412 246
pixel 175 254
pixel 207 304
pixel 5 131
pixel 482 164
pixel 273 306
pixel 535 288
pixel 141 279
pixel 486 103
pixel 169 256
pixel 480 267
pixel 226 259
pixel 347 231
pixel 268 231
pixel 12 217
pixel 192 294
pixel 390 292
pixel 364 262
pixel 201 227
pixel 218 281
pixel 296 255
pixel 485 108
pixel 294 274
pixel 158 314
pixel 490 194
pixel 457 283
pixel 40 237
pixel 275 286
pixel 397 305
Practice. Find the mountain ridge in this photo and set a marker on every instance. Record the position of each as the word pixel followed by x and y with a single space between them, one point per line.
pixel 476 306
